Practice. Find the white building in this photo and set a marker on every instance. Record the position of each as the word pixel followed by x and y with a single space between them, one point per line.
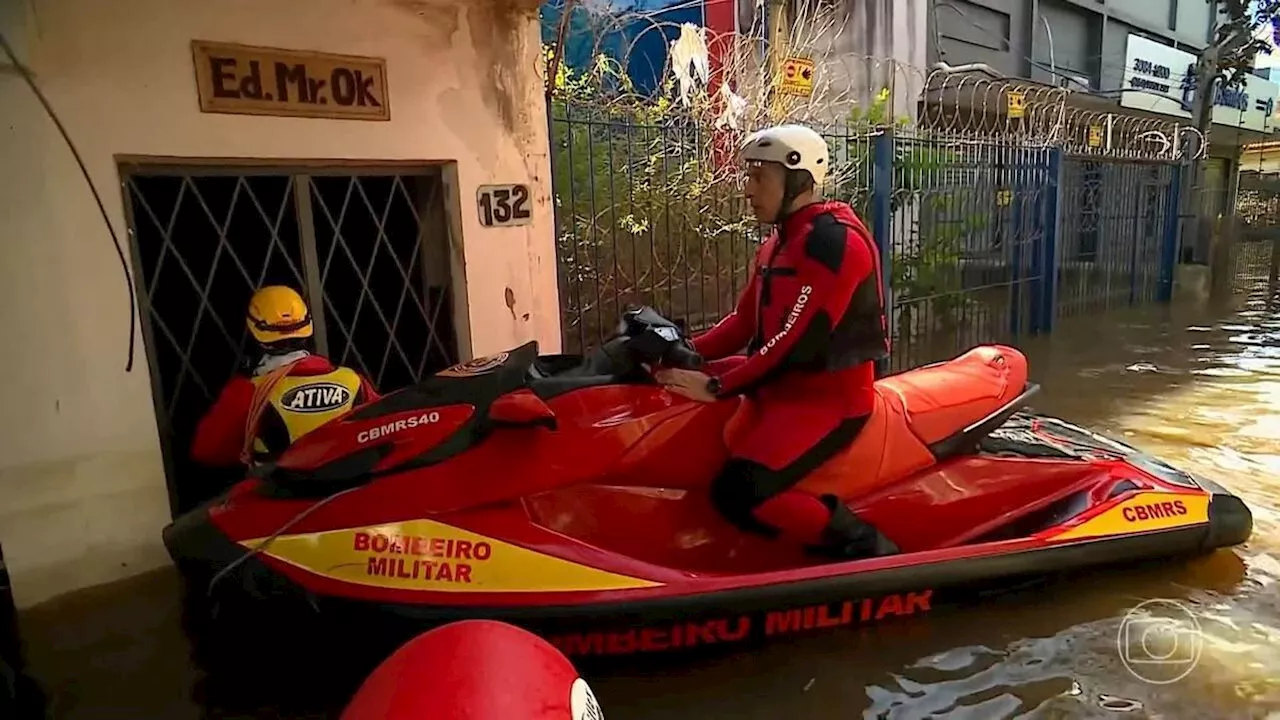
pixel 84 485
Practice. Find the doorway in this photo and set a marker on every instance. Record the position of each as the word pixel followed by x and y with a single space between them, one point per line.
pixel 367 248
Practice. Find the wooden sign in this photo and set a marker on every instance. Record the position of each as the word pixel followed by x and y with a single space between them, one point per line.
pixel 245 80
pixel 503 205
pixel 797 77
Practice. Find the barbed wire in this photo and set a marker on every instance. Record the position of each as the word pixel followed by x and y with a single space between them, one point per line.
pixel 647 112
pixel 727 83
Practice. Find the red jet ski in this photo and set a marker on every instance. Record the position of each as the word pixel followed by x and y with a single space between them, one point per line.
pixel 570 495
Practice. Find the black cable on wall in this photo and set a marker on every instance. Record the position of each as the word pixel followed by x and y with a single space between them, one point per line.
pixel 124 264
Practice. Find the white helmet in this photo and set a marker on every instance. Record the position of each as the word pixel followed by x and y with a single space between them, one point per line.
pixel 795 147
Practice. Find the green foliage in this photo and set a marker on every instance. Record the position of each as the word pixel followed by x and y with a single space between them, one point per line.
pixel 1234 41
pixel 643 214
pixel 646 214
pixel 928 266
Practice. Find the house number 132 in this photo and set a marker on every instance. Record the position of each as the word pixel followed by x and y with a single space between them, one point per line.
pixel 503 205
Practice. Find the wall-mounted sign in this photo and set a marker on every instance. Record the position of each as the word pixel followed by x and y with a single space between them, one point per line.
pixel 1017 103
pixel 797 77
pixel 244 80
pixel 1160 79
pixel 503 205
pixel 1095 136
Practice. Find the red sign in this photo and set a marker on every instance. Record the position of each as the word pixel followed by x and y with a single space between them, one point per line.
pixel 443 566
pixel 719 631
pixel 1139 513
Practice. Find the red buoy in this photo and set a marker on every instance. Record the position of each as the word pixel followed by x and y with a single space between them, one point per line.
pixel 475 670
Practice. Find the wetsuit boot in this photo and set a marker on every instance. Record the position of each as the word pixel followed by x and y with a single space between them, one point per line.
pixel 847 537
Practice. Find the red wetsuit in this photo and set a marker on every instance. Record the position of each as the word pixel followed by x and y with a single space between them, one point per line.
pixel 813 323
pixel 220 436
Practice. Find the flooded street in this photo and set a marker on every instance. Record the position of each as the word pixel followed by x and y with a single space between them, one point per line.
pixel 1197 388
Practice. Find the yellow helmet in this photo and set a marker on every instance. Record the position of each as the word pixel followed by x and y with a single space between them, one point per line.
pixel 278 313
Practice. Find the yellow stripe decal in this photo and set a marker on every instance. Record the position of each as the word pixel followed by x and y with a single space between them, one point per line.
pixel 1145 512
pixel 431 556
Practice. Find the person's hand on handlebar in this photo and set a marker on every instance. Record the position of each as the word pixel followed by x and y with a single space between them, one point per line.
pixel 689 383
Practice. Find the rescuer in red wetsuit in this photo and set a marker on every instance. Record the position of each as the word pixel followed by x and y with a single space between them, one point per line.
pixel 813 323
pixel 283 394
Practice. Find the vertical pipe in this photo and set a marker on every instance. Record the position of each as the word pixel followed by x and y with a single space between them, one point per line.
pixel 1017 236
pixel 882 221
pixel 778 41
pixel 1039 170
pixel 563 286
pixel 1135 228
pixel 313 275
pixel 1049 254
pixel 149 345
pixel 1169 246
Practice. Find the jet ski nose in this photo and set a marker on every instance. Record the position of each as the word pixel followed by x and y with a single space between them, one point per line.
pixel 1230 519
pixel 196 545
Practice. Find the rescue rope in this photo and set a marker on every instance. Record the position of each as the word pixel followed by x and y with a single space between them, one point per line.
pixel 66 137
pixel 262 546
pixel 258 405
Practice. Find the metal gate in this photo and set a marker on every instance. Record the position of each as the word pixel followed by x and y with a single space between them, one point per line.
pixel 1115 215
pixel 1254 236
pixel 369 251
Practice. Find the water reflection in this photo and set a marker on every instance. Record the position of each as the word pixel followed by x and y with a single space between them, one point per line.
pixel 1197 388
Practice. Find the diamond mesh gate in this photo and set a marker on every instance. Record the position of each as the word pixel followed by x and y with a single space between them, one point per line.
pixel 368 251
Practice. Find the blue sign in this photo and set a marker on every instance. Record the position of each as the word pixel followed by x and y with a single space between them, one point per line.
pixel 1157 71
pixel 1235 98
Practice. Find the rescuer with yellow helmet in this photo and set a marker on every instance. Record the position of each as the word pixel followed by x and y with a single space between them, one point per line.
pixel 283 392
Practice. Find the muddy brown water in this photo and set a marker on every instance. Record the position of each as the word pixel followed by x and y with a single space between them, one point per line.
pixel 1195 386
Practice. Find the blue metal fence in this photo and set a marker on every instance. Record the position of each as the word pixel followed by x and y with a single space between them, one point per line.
pixel 1119 219
pixel 982 239
pixel 964 234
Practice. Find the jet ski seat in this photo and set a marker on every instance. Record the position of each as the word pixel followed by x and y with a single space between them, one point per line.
pixel 923 416
pixel 940 399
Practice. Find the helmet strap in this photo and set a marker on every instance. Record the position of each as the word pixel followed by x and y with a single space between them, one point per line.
pixel 271 361
pixel 795 183
pixel 285 347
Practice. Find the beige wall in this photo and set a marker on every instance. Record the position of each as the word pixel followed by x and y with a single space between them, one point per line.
pixel 82 491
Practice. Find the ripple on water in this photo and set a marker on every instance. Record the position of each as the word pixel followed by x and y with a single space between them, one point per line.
pixel 1249 339
pixel 1266 365
pixel 1266 427
pixel 976 682
pixel 1223 423
pixel 1078 672
pixel 1145 349
pixel 1114 704
pixel 1223 372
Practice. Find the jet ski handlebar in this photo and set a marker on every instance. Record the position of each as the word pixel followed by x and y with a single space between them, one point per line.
pixel 654 340
pixel 643 339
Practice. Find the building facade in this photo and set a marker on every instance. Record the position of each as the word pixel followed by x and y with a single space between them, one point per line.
pixel 1137 56
pixel 347 148
pixel 1080 44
